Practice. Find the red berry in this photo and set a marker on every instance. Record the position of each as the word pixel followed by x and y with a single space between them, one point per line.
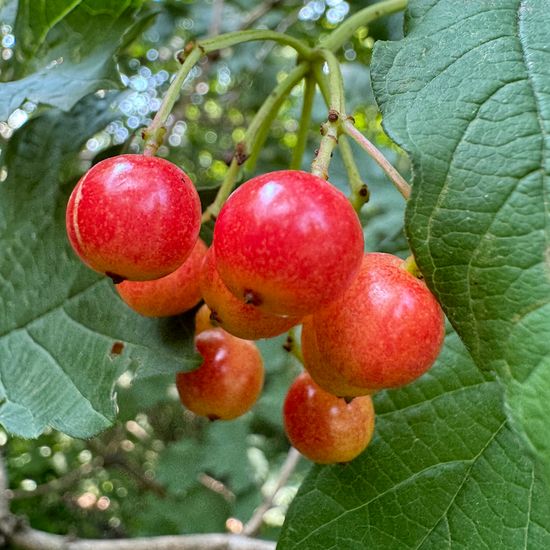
pixel 170 295
pixel 134 217
pixel 236 317
pixel 330 379
pixel 228 382
pixel 385 331
pixel 288 242
pixel 324 428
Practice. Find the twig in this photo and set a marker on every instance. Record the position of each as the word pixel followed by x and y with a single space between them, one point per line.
pixel 4 488
pixel 402 186
pixel 58 484
pixel 253 525
pixel 258 12
pixel 215 22
pixel 26 538
pixel 122 463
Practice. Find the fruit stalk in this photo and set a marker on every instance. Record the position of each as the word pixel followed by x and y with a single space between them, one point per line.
pixel 400 183
pixel 154 133
pixel 255 136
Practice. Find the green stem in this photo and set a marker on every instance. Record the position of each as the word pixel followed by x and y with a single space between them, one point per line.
pixel 229 181
pixel 303 124
pixel 331 129
pixel 154 133
pixel 335 81
pixel 258 130
pixel 359 189
pixel 337 38
pixel 293 344
pixel 239 37
pixel 402 186
pixel 410 265
pixel 255 137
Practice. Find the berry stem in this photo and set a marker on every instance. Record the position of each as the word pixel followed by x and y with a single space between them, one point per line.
pixel 335 80
pixel 330 129
pixel 303 124
pixel 229 39
pixel 255 136
pixel 292 344
pixel 224 191
pixel 359 189
pixel 154 133
pixel 342 34
pixel 410 265
pixel 258 130
pixel 400 183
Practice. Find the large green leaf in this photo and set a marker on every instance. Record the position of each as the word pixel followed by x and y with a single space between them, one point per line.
pixel 34 20
pixel 65 336
pixel 67 50
pixel 443 470
pixel 467 94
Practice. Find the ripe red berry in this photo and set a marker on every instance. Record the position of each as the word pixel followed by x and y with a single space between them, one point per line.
pixel 324 428
pixel 228 382
pixel 170 295
pixel 385 331
pixel 234 316
pixel 288 242
pixel 330 379
pixel 133 217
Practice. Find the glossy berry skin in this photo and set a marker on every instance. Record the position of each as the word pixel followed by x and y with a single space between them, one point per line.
pixel 287 242
pixel 228 382
pixel 240 319
pixel 170 295
pixel 329 379
pixel 133 217
pixel 325 428
pixel 387 329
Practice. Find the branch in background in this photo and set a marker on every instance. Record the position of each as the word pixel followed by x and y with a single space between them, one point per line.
pixel 15 533
pixel 215 22
pixel 26 538
pixel 144 482
pixel 253 525
pixel 258 12
pixel 60 484
pixel 397 179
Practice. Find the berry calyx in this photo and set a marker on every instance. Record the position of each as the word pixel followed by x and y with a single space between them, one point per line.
pixel 170 295
pixel 384 332
pixel 228 382
pixel 325 428
pixel 133 217
pixel 287 242
pixel 233 315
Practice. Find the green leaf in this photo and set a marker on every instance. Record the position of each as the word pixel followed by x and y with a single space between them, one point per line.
pixel 443 470
pixel 65 336
pixel 35 19
pixel 466 95
pixel 67 50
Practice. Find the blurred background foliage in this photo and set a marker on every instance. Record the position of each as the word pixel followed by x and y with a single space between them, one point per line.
pixel 160 469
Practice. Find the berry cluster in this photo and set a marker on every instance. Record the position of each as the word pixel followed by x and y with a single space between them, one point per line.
pixel 287 250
